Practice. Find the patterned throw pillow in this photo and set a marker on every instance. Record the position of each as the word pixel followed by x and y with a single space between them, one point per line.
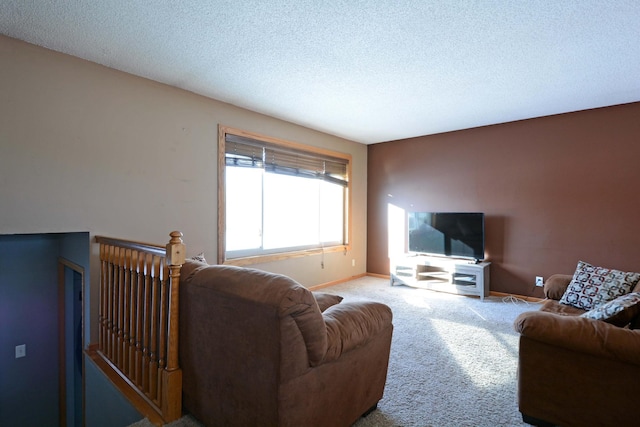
pixel 593 286
pixel 200 257
pixel 620 311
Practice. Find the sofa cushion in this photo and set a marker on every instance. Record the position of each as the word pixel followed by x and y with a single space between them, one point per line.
pixel 619 311
pixel 593 286
pixel 326 300
pixel 553 306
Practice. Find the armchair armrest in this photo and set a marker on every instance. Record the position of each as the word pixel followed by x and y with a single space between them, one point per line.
pixel 352 324
pixel 580 334
pixel 556 285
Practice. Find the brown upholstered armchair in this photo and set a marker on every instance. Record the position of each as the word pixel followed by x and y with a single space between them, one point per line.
pixel 576 371
pixel 256 349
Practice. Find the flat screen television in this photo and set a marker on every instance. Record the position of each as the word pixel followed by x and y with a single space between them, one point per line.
pixel 452 234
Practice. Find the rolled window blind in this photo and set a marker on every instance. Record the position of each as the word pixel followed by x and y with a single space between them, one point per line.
pixel 247 152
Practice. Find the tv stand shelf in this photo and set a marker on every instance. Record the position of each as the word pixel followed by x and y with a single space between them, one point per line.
pixel 441 274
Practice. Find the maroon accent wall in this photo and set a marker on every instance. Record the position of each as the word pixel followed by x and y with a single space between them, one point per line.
pixel 554 190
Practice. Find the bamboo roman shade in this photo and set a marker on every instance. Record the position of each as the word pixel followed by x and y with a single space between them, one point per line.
pixel 274 158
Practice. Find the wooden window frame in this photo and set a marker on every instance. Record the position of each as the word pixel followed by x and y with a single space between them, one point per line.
pixel 257 259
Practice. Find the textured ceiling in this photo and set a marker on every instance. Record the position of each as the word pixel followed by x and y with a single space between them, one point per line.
pixel 365 70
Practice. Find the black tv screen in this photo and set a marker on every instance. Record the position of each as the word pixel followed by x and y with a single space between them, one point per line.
pixel 454 234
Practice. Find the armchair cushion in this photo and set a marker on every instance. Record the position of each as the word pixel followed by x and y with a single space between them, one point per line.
pixel 592 286
pixel 553 306
pixel 326 300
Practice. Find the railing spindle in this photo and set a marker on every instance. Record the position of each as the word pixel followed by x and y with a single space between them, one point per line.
pixel 126 310
pixel 153 333
pixel 138 318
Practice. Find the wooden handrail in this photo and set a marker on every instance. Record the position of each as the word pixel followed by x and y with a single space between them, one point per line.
pixel 139 246
pixel 138 320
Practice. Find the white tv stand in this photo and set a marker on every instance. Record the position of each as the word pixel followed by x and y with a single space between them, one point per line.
pixel 441 274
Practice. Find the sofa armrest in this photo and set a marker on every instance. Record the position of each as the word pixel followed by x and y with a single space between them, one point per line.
pixel 580 334
pixel 352 324
pixel 556 285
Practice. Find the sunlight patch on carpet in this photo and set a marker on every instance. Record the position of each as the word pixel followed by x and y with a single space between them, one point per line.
pixel 419 297
pixel 417 300
pixel 489 365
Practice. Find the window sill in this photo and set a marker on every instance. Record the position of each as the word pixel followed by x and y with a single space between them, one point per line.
pixel 261 259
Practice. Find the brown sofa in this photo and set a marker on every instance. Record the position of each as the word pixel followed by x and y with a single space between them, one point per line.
pixel 577 371
pixel 256 350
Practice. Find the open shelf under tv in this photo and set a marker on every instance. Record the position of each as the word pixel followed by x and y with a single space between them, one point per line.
pixel 442 274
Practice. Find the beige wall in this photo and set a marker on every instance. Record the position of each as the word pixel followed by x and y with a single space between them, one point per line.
pixel 88 148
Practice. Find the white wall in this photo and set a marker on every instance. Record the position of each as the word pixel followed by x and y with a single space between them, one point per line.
pixel 88 148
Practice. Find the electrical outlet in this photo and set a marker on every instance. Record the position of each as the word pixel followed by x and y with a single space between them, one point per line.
pixel 21 351
pixel 353 262
pixel 539 281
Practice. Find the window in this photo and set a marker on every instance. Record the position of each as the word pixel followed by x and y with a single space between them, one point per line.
pixel 279 199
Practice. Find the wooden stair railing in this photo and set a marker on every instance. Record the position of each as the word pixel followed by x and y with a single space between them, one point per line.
pixel 138 323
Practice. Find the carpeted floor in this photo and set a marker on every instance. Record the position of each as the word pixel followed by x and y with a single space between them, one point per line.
pixel 453 358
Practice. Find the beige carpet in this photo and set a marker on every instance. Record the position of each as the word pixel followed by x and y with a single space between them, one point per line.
pixel 453 358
